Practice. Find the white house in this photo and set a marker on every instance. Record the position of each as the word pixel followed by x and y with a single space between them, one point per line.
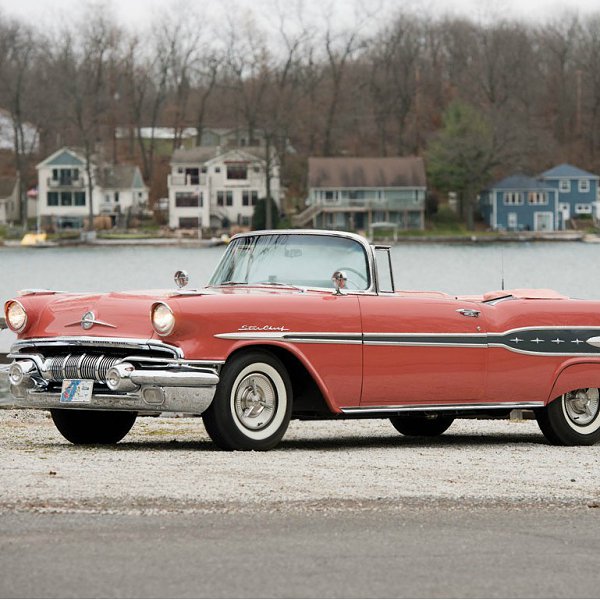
pixel 63 189
pixel 209 187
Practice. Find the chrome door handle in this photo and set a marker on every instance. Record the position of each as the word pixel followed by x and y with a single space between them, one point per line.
pixel 468 312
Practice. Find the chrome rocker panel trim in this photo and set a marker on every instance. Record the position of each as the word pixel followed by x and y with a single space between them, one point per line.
pixel 392 410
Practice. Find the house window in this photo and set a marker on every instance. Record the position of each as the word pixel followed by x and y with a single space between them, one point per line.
pixel 257 169
pixel 583 209
pixel 513 198
pixel 584 185
pixel 52 199
pixel 116 197
pixel 564 185
pixel 188 222
pixel 188 199
pixel 331 196
pixel 79 198
pixel 249 198
pixel 237 172
pixel 193 175
pixel 203 170
pixel 65 176
pixel 512 221
pixel 217 169
pixel 66 199
pixel 220 198
pixel 537 198
pixel 229 198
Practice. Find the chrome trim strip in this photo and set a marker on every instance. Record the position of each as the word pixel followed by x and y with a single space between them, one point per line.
pixel 300 337
pixel 92 341
pixel 532 353
pixel 354 410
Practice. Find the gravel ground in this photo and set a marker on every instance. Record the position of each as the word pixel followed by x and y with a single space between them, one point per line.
pixel 170 465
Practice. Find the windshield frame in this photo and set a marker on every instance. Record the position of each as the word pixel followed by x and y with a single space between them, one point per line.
pixel 308 232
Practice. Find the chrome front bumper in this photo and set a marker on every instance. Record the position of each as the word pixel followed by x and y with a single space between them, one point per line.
pixel 156 390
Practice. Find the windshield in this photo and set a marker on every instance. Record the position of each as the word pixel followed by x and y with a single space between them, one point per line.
pixel 300 260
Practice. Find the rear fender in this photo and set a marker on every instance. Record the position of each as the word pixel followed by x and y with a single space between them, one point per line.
pixel 575 376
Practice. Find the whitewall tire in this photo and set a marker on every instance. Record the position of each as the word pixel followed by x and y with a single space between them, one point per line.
pixel 252 406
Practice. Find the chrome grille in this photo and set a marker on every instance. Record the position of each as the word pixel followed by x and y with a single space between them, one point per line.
pixel 79 366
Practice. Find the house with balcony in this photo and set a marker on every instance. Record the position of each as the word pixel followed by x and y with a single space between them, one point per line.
pixel 214 188
pixel 547 202
pixel 362 193
pixel 63 190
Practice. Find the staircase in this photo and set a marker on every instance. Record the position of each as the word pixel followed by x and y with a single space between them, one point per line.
pixel 306 216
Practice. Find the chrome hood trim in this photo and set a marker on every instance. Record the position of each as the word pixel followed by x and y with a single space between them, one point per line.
pixel 98 342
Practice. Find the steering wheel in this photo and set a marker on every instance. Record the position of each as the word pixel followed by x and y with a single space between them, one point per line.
pixel 357 273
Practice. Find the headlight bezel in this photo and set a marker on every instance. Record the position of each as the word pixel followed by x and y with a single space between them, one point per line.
pixel 167 329
pixel 7 308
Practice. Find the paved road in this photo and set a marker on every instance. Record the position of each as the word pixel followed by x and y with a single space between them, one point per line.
pixel 362 551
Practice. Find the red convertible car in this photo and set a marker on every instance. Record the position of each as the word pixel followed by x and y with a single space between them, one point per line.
pixel 305 325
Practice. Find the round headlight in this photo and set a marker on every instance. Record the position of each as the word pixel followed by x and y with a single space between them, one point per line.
pixel 16 317
pixel 163 319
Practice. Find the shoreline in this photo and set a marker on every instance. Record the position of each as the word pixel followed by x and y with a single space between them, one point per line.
pixel 475 238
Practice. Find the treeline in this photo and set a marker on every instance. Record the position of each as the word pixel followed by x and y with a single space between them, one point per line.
pixel 376 86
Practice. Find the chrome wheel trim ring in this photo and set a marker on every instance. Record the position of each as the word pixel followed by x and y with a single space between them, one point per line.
pixel 258 386
pixel 581 409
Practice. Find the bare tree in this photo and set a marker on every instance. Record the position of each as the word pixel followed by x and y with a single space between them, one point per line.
pixel 18 54
pixel 83 80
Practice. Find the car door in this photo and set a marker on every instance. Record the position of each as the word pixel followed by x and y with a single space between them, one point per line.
pixel 422 348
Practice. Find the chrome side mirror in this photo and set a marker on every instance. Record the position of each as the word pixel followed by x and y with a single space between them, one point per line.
pixel 339 279
pixel 181 279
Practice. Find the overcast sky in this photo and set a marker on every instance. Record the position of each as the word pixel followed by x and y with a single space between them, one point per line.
pixel 136 13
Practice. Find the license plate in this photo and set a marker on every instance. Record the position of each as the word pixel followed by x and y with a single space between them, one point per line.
pixel 77 390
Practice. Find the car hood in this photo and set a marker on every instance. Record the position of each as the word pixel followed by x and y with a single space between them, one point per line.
pixel 115 314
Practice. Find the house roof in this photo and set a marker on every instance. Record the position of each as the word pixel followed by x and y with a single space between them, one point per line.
pixel 67 157
pixel 119 177
pixel 7 186
pixel 519 182
pixel 202 154
pixel 388 172
pixel 567 171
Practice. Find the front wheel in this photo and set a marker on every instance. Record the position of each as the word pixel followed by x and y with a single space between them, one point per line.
pixel 427 426
pixel 93 426
pixel 252 406
pixel 573 419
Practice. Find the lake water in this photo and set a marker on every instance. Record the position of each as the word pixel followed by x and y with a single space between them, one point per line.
pixel 571 268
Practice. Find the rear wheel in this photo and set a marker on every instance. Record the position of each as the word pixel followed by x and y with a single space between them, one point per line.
pixel 573 419
pixel 252 406
pixel 93 426
pixel 429 426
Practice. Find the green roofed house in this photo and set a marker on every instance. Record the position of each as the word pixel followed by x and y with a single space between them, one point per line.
pixel 362 193
pixel 63 189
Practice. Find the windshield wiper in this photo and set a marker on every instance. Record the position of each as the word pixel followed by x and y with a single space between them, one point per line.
pixel 281 284
pixel 232 283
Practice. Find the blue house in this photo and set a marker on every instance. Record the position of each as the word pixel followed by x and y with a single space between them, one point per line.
pixel 545 203
pixel 520 203
pixel 577 191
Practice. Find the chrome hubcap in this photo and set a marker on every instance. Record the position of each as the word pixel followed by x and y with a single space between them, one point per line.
pixel 255 401
pixel 582 405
